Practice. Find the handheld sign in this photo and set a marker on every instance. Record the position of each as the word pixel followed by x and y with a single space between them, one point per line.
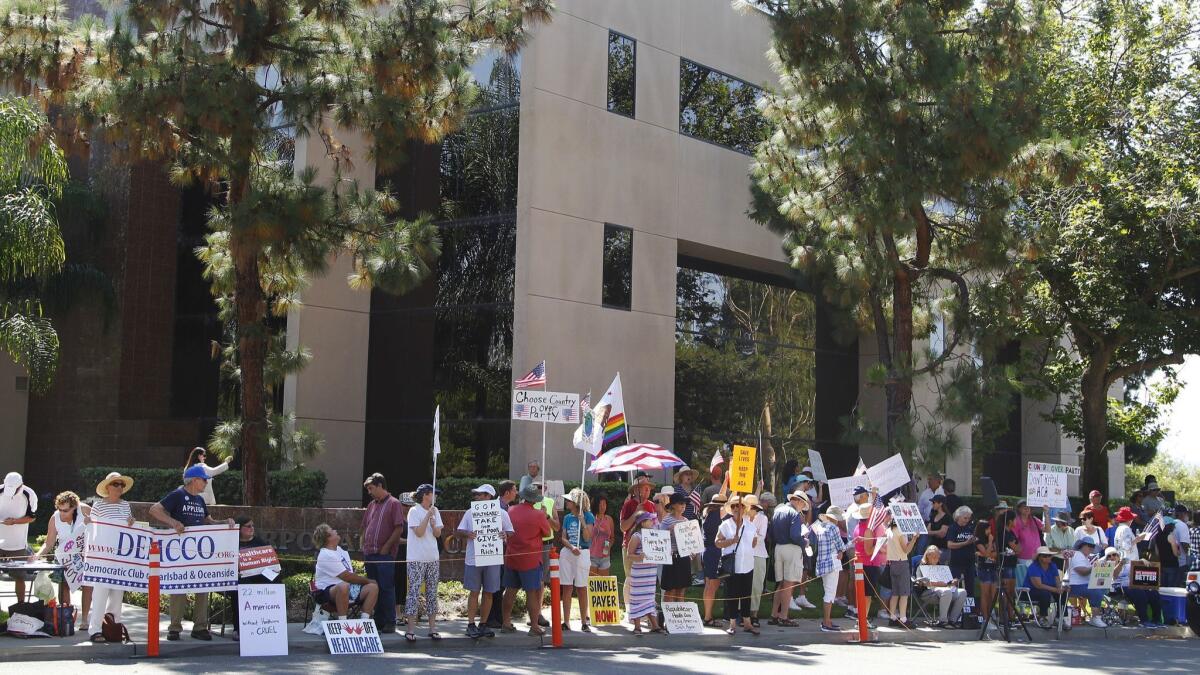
pixel 262 620
pixel 1046 484
pixel 258 560
pixel 352 636
pixel 741 469
pixel 545 406
pixel 889 474
pixel 1144 575
pixel 656 546
pixel 818 466
pixel 682 617
pixel 908 518
pixel 605 601
pixel 936 573
pixel 1102 575
pixel 70 556
pixel 841 490
pixel 556 489
pixel 689 539
pixel 488 542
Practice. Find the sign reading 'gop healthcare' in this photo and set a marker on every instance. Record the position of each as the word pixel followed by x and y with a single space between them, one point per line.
pixel 202 559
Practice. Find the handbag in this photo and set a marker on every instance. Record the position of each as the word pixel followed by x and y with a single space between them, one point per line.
pixel 60 621
pixel 35 609
pixel 725 569
pixel 113 631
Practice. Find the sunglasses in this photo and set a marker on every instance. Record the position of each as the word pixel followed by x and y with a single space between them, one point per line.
pixel 116 483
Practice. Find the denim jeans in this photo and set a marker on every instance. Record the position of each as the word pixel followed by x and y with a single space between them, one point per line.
pixel 383 573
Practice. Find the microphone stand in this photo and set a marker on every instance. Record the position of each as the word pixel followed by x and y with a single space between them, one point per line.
pixel 1002 596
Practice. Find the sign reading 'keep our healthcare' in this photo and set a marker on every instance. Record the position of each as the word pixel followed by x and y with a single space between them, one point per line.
pixel 202 559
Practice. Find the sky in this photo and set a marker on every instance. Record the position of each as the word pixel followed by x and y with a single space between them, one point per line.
pixel 1183 439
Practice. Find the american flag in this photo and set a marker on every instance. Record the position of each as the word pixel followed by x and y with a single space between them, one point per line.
pixel 879 513
pixel 535 378
pixel 694 497
pixel 1156 525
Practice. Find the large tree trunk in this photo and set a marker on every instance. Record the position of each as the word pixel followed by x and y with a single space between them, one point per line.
pixel 899 386
pixel 250 306
pixel 768 450
pixel 1094 405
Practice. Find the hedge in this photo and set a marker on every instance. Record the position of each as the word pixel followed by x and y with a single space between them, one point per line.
pixel 290 487
pixel 456 492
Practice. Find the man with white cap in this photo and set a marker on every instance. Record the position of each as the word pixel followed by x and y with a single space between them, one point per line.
pixel 485 578
pixel 18 505
pixel 788 529
pixel 827 536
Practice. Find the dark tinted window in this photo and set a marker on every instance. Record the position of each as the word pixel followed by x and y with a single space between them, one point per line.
pixel 618 267
pixel 718 108
pixel 622 73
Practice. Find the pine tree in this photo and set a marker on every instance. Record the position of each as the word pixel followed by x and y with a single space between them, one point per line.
pixel 201 85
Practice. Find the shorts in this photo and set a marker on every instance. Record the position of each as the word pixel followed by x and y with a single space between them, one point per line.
pixel 986 575
pixel 527 580
pixel 789 562
pixel 712 563
pixel 22 554
pixel 601 562
pixel 901 577
pixel 573 569
pixel 829 583
pixel 676 575
pixel 1008 572
pixel 323 596
pixel 486 578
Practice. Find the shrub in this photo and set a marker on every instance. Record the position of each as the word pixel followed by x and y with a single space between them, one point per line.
pixel 456 492
pixel 289 487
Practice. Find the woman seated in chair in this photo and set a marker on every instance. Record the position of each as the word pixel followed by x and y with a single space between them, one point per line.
pixel 949 596
pixel 335 579
pixel 1044 581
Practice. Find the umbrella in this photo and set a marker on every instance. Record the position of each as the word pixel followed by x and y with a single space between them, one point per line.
pixel 636 457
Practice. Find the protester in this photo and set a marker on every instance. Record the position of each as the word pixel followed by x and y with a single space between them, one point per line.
pixel 860 496
pixel 1099 510
pixel 986 568
pixel 602 536
pixel 716 478
pixel 1166 549
pixel 1008 548
pixel 1153 501
pixel 899 545
pixel 66 524
pixel 1060 538
pixel 925 499
pixel 737 537
pixel 575 560
pixel 638 500
pixel 845 585
pixel 1146 602
pixel 424 529
pixel 828 544
pixel 1194 537
pixel 523 560
pixel 758 519
pixel 791 475
pixel 788 530
pixel 1029 537
pixel 953 501
pixel 382 528
pixel 185 507
pixel 676 577
pixel 197 457
pixel 685 484
pixel 335 579
pixel 872 556
pixel 938 522
pixel 1090 528
pixel 1044 580
pixel 110 509
pixel 479 579
pixel 18 506
pixel 1079 572
pixel 548 506
pixel 401 566
pixel 713 517
pixel 960 541
pixel 532 470
pixel 643 578
pixel 1183 536
pixel 949 596
pixel 1139 511
pixel 247 538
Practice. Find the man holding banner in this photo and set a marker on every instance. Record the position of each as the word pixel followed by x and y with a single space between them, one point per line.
pixel 485 527
pixel 179 510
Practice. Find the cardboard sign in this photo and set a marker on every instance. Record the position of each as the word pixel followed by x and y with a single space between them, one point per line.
pixel 71 557
pixel 1145 576
pixel 818 466
pixel 605 599
pixel 1102 575
pixel 545 406
pixel 258 560
pixel 352 636
pixel 841 490
pixel 908 517
pixel 1045 489
pixel 487 525
pixel 741 469
pixel 936 573
pixel 656 546
pixel 689 538
pixel 889 474
pixel 262 620
pixel 555 489
pixel 682 617
pixel 201 560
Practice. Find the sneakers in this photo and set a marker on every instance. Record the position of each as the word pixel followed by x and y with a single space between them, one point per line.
pixel 840 602
pixel 201 635
pixel 805 603
pixel 851 613
pixel 1151 624
pixel 473 631
pixel 543 622
pixel 1097 622
pixel 830 629
pixel 172 635
pixel 794 604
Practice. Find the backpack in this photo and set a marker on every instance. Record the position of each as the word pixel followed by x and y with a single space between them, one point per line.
pixel 113 631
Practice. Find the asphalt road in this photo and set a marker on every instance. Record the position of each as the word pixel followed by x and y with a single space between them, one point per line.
pixel 1162 657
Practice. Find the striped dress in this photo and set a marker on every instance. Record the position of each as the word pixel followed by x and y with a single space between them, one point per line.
pixel 643 586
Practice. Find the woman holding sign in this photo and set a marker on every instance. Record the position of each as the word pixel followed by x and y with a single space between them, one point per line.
pixel 111 509
pixel 61 533
pixel 737 538
pixel 676 577
pixel 643 578
pixel 575 561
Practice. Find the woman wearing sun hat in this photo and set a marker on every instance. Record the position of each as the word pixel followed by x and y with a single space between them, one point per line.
pixel 711 523
pixel 737 537
pixel 111 509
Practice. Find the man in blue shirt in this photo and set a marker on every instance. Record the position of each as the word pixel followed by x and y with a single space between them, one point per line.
pixel 183 508
pixel 788 525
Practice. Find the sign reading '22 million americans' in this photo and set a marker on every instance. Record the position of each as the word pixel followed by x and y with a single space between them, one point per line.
pixel 545 406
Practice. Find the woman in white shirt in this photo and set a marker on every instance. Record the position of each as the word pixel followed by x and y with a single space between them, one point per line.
pixel 761 523
pixel 64 527
pixel 1079 571
pixel 424 528
pixel 1089 529
pixel 197 456
pixel 737 537
pixel 111 509
pixel 335 578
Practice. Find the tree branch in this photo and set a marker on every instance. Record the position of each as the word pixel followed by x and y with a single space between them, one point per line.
pixel 1145 365
pixel 964 297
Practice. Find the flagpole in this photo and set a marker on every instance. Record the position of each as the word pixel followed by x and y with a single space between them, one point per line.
pixel 585 453
pixel 545 388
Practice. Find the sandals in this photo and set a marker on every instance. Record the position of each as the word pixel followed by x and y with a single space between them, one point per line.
pixel 97 638
pixel 435 636
pixel 660 629
pixel 637 631
pixel 585 627
pixel 752 630
pixel 535 631
pixel 789 623
pixel 508 628
pixel 711 623
pixel 410 637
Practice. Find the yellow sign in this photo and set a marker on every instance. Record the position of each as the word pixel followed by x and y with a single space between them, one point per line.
pixel 605 601
pixel 741 469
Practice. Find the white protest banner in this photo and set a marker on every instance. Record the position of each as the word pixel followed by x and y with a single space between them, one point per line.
pixel 907 516
pixel 1102 575
pixel 888 474
pixel 682 617
pixel 689 539
pixel 262 620
pixel 555 489
pixel 656 546
pixel 71 557
pixel 545 406
pixel 1054 468
pixel 202 559
pixel 818 466
pixel 486 523
pixel 352 636
pixel 258 560
pixel 841 490
pixel 936 573
pixel 1046 484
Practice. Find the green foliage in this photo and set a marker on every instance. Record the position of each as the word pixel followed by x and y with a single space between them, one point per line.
pixel 1172 473
pixel 456 492
pixel 300 487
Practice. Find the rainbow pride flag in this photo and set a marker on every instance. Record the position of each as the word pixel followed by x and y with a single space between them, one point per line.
pixel 614 428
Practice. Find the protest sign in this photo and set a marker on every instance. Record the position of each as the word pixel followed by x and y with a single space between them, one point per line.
pixel 487 524
pixel 689 539
pixel 605 601
pixel 555 489
pixel 841 490
pixel 258 560
pixel 656 546
pixel 908 518
pixel 888 474
pixel 741 469
pixel 1046 484
pixel 202 559
pixel 545 406
pixel 262 620
pixel 71 557
pixel 682 617
pixel 352 636
pixel 1102 575
pixel 936 573
pixel 818 466
pixel 1144 575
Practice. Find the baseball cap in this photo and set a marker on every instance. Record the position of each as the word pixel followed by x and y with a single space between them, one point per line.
pixel 1095 493
pixel 486 488
pixel 860 490
pixel 193 471
pixel 531 494
pixel 423 488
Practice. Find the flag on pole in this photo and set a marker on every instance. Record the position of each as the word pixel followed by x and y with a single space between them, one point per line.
pixel 611 413
pixel 437 436
pixel 862 468
pixel 534 378
pixel 1155 527
pixel 717 460
pixel 879 513
pixel 587 435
